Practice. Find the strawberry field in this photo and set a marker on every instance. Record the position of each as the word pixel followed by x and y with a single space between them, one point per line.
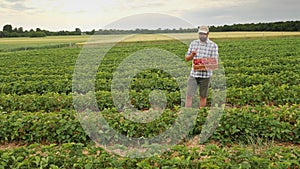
pixel 260 126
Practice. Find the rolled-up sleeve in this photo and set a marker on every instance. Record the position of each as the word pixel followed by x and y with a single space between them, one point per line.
pixel 190 49
pixel 215 52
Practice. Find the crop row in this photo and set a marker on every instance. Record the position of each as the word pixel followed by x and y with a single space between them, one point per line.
pixel 236 125
pixel 259 48
pixel 262 57
pixel 143 81
pixel 262 70
pixel 231 67
pixel 76 155
pixel 263 94
pixel 34 71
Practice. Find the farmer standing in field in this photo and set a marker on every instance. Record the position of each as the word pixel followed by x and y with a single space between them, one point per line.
pixel 200 48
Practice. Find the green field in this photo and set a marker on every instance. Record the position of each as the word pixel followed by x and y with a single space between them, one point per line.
pixel 13 44
pixel 260 127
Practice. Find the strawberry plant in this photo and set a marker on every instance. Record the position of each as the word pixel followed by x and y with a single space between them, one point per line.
pixel 262 106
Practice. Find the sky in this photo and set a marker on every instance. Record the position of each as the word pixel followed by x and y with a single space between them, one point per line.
pixel 55 15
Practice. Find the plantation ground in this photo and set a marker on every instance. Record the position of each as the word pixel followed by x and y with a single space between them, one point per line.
pixel 11 44
pixel 260 128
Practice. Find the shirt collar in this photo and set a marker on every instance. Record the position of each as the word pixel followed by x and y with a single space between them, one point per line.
pixel 204 43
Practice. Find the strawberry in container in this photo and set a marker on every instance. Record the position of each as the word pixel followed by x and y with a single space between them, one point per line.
pixel 205 64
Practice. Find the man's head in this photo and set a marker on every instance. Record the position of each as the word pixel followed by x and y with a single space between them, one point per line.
pixel 203 32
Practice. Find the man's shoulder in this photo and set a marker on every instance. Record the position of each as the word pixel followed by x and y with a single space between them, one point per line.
pixel 196 41
pixel 211 42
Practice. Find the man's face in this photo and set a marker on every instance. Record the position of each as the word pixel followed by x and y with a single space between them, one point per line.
pixel 203 36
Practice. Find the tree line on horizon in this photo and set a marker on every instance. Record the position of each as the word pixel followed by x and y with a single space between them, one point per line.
pixel 9 31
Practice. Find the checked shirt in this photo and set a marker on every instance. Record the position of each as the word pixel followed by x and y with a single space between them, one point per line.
pixel 207 49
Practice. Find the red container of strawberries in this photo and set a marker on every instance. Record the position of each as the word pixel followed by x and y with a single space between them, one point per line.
pixel 205 64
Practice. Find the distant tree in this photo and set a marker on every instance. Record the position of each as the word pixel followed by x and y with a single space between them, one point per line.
pixel 77 30
pixel 48 33
pixel 7 28
pixel 38 30
pixel 91 32
pixel 20 30
pixel 37 34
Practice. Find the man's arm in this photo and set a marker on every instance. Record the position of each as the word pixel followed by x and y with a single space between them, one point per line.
pixel 215 52
pixel 190 56
pixel 191 52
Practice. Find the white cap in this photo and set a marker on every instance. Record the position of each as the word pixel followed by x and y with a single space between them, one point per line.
pixel 203 29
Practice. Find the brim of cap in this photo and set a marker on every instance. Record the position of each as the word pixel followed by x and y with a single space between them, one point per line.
pixel 202 32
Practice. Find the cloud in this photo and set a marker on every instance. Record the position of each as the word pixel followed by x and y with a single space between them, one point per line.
pixel 176 8
pixel 15 5
pixel 20 7
pixel 13 0
pixel 149 21
pixel 252 11
pixel 178 4
pixel 138 4
pixel 95 14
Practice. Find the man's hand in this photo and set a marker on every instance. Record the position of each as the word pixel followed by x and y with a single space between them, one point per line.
pixel 193 53
pixel 191 56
